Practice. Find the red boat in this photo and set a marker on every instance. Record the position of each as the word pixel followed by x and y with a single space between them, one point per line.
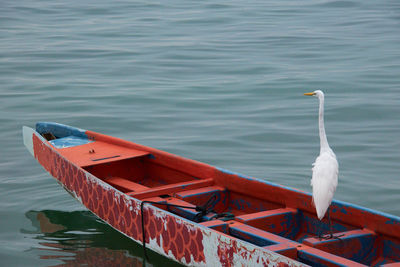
pixel 201 215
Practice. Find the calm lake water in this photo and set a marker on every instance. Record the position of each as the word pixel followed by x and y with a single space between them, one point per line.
pixel 218 82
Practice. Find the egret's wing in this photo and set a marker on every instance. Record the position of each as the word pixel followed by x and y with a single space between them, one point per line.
pixel 324 181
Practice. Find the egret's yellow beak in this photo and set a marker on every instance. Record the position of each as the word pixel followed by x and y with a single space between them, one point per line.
pixel 312 93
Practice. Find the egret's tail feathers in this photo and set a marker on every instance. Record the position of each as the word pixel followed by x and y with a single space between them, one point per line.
pixel 321 210
pixel 321 213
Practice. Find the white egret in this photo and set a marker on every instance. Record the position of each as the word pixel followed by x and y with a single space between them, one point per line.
pixel 325 169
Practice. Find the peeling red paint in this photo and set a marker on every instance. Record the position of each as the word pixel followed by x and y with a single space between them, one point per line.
pixel 226 252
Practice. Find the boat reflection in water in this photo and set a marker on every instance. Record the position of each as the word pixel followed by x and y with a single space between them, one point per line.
pixel 80 238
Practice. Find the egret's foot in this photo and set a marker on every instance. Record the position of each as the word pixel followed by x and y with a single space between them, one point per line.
pixel 330 236
pixel 325 236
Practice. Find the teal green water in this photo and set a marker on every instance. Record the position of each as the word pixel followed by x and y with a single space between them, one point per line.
pixel 218 82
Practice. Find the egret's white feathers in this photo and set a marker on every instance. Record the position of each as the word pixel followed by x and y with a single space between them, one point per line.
pixel 324 181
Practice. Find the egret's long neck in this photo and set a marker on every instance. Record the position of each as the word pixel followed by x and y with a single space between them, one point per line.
pixel 322 135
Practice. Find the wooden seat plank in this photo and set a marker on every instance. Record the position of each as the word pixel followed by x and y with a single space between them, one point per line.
pixel 126 184
pixel 171 188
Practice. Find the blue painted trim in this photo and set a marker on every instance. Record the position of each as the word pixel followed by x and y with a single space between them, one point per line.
pixel 60 130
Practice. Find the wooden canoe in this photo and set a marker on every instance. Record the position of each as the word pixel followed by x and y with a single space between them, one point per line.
pixel 252 222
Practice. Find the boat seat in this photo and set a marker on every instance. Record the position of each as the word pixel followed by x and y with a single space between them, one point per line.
pixel 189 214
pixel 305 253
pixel 171 188
pixel 201 195
pixel 126 185
pixel 316 257
pixel 344 246
pixel 268 219
pixel 255 235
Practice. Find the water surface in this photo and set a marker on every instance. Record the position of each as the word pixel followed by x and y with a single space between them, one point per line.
pixel 218 82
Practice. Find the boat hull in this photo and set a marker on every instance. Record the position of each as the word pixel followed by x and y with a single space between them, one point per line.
pixel 273 225
pixel 167 234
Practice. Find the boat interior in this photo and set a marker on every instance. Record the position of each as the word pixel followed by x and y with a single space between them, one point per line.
pixel 260 220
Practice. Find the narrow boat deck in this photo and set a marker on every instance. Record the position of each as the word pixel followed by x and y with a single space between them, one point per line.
pixel 269 216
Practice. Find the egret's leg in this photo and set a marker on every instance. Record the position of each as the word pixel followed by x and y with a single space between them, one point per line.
pixel 330 235
pixel 321 230
pixel 326 236
pixel 330 223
